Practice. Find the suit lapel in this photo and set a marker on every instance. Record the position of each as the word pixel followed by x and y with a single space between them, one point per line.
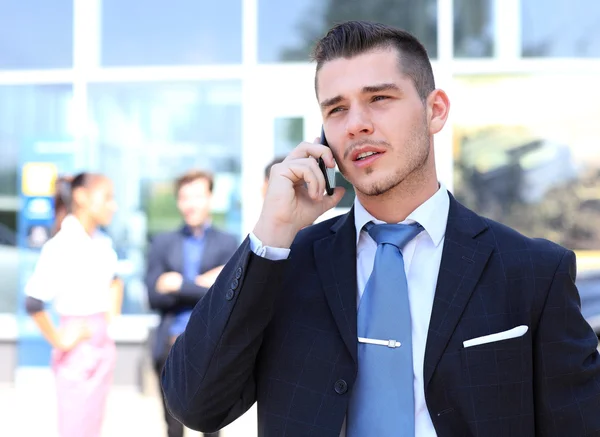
pixel 463 261
pixel 335 258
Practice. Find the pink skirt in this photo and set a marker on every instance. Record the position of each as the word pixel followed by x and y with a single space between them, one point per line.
pixel 83 378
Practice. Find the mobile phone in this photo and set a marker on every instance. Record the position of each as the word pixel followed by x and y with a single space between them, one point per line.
pixel 328 173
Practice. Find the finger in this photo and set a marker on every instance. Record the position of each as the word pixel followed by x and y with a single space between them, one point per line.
pixel 331 201
pixel 303 171
pixel 316 170
pixel 315 150
pixel 306 171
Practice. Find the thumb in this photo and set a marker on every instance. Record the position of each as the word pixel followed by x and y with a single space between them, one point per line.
pixel 331 201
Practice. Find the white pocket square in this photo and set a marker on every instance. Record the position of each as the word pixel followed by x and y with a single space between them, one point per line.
pixel 519 331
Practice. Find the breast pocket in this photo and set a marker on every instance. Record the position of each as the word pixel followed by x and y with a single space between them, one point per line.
pixel 499 362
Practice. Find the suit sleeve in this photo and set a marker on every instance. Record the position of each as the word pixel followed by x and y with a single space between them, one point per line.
pixel 155 268
pixel 191 293
pixel 208 380
pixel 567 372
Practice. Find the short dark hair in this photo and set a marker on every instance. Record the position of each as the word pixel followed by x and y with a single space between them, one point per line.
pixel 353 38
pixel 64 187
pixel 276 160
pixel 62 201
pixel 193 176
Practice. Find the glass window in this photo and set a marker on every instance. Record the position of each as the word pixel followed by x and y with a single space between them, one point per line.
pixel 180 32
pixel 36 34
pixel 288 30
pixel 534 167
pixel 560 28
pixel 147 135
pixel 289 132
pixel 473 28
pixel 27 114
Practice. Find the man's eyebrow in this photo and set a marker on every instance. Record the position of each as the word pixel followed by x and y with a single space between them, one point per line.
pixel 330 102
pixel 366 90
pixel 381 87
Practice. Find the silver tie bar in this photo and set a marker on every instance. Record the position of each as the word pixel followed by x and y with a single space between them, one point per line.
pixel 388 343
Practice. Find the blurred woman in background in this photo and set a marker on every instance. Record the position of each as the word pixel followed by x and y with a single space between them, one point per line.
pixel 76 271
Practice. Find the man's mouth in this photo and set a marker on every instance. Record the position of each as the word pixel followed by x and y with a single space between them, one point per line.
pixel 365 155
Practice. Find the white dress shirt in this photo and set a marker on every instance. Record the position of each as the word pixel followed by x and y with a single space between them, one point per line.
pixel 74 271
pixel 422 258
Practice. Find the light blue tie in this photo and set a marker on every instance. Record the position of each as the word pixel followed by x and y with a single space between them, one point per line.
pixel 382 401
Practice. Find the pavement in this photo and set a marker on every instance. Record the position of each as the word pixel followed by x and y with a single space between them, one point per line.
pixel 28 410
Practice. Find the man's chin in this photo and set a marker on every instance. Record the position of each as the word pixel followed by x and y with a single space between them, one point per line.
pixel 376 188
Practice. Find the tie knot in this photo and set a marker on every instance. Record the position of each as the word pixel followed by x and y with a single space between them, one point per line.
pixel 397 234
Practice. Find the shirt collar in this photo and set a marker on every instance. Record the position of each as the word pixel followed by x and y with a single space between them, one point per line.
pixel 432 215
pixel 187 231
pixel 72 226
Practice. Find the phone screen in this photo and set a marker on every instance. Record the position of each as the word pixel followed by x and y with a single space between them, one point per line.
pixel 328 173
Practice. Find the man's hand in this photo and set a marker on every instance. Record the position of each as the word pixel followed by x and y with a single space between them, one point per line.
pixel 207 279
pixel 295 195
pixel 169 282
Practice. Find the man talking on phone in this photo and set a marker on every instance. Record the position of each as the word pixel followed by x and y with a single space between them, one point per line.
pixel 408 316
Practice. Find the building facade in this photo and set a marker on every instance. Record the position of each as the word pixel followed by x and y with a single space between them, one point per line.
pixel 144 90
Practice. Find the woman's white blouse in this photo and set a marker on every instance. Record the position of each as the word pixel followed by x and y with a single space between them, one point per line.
pixel 74 271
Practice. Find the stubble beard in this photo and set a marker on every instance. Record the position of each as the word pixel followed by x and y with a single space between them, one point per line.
pixel 411 174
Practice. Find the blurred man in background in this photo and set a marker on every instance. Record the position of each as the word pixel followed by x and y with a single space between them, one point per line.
pixel 182 266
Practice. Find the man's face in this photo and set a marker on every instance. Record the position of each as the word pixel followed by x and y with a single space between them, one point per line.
pixel 193 202
pixel 374 120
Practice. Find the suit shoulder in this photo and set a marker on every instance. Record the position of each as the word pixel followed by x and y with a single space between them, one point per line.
pixel 163 237
pixel 224 235
pixel 507 239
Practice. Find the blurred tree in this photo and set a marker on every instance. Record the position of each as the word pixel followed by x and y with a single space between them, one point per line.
pixel 568 213
pixel 473 28
pixel 416 16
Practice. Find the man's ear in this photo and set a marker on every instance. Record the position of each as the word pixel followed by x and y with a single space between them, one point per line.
pixel 438 108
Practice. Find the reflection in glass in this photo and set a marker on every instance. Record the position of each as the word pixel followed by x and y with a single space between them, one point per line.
pixel 36 34
pixel 288 30
pixel 179 32
pixel 289 132
pixel 27 113
pixel 473 28
pixel 560 28
pixel 150 133
pixel 533 167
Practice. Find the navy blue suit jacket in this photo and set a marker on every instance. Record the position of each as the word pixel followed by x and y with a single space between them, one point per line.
pixel 166 255
pixel 283 333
